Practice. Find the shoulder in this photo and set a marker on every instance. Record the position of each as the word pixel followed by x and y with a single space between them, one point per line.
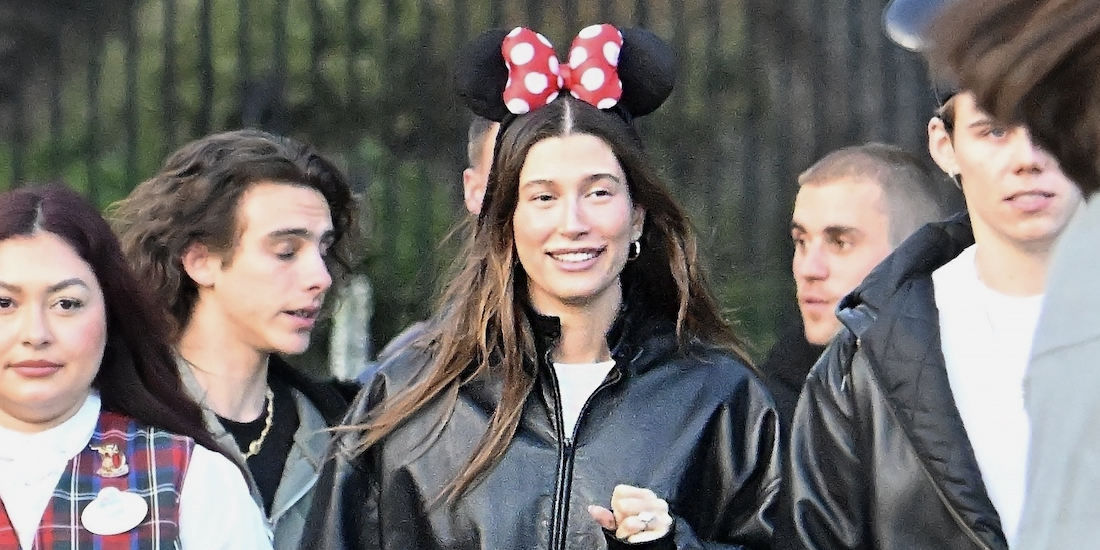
pixel 713 371
pixel 330 397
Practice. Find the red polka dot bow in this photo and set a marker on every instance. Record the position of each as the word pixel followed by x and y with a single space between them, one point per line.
pixel 535 77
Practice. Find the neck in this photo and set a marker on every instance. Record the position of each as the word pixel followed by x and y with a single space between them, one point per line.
pixel 1011 270
pixel 584 329
pixel 232 373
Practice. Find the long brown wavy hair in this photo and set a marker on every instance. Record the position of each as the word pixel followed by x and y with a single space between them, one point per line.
pixel 482 325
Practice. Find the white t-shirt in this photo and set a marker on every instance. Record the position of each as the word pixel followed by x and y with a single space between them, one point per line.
pixel 216 510
pixel 576 383
pixel 986 338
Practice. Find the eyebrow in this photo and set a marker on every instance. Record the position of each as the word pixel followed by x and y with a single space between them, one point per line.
pixel 832 231
pixel 300 232
pixel 835 231
pixel 50 289
pixel 587 179
pixel 987 122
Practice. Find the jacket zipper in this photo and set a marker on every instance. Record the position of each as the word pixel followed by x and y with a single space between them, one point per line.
pixel 954 513
pixel 563 485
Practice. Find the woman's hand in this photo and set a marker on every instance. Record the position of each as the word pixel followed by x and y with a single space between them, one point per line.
pixel 636 515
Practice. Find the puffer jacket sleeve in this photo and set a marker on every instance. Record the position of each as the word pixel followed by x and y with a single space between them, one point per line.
pixel 344 514
pixel 737 508
pixel 827 493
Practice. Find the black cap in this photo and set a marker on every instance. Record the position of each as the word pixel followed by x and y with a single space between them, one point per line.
pixel 907 23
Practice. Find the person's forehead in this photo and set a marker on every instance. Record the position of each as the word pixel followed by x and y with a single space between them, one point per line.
pixel 60 261
pixel 967 110
pixel 844 202
pixel 571 156
pixel 271 206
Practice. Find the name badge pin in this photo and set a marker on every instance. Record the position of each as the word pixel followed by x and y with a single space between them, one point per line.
pixel 113 512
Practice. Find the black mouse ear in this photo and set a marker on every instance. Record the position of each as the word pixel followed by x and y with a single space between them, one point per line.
pixel 480 75
pixel 647 68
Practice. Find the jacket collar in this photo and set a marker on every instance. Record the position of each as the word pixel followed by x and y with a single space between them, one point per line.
pixel 630 334
pixel 894 316
pixel 303 465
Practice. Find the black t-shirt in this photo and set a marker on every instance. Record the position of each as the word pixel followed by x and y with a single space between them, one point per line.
pixel 267 465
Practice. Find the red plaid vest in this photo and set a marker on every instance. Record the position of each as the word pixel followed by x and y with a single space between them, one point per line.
pixel 157 462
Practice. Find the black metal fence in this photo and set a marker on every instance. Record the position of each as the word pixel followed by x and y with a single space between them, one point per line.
pixel 100 92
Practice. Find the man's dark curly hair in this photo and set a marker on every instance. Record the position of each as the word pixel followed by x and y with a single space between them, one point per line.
pixel 194 198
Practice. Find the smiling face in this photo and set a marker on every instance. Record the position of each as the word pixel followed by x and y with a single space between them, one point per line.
pixel 53 331
pixel 574 222
pixel 266 293
pixel 1015 192
pixel 840 231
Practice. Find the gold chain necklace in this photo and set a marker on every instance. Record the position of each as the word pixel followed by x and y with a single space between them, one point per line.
pixel 254 447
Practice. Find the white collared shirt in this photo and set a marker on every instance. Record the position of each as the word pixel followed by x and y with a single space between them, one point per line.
pixel 215 510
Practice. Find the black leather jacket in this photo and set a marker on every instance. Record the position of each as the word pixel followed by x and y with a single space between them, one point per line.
pixel 698 428
pixel 879 455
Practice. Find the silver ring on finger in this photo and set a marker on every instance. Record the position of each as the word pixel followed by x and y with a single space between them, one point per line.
pixel 646 517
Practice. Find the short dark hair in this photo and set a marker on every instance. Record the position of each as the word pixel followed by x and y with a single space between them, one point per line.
pixel 906 183
pixel 475 138
pixel 195 197
pixel 1031 62
pixel 138 376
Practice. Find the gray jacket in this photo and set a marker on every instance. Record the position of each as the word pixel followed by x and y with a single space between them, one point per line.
pixel 287 517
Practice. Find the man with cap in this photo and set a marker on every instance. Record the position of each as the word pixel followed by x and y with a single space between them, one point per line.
pixel 911 432
pixel 1041 70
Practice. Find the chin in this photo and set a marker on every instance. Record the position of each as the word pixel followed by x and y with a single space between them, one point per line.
pixel 291 346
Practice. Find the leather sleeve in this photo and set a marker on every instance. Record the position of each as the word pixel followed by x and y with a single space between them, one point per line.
pixel 742 479
pixel 344 515
pixel 827 493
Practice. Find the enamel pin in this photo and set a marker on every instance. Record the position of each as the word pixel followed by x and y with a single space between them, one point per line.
pixel 113 462
pixel 113 512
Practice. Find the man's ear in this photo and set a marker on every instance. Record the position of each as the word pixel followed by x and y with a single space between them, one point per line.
pixel 473 189
pixel 201 264
pixel 942 147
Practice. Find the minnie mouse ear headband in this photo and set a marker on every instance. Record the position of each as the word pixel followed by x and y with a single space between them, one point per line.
pixel 501 74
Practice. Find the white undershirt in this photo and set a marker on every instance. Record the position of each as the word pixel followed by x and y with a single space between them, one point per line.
pixel 216 509
pixel 986 339
pixel 576 383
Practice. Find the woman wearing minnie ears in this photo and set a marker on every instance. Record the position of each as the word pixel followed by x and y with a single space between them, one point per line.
pixel 581 376
pixel 99 446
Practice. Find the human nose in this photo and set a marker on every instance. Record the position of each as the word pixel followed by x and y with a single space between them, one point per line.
pixel 574 219
pixel 316 272
pixel 37 333
pixel 810 262
pixel 1029 155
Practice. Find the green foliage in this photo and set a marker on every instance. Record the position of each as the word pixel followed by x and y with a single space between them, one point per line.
pixel 367 82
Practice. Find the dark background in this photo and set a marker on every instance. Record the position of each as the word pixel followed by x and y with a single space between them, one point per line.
pixel 97 93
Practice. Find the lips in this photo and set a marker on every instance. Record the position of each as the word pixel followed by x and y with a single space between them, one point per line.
pixel 39 368
pixel 309 313
pixel 1031 201
pixel 575 255
pixel 814 303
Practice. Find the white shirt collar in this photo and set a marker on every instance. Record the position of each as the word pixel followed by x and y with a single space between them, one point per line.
pixel 63 441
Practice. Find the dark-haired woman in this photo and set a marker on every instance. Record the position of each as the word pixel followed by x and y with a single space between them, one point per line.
pixel 581 389
pixel 99 446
